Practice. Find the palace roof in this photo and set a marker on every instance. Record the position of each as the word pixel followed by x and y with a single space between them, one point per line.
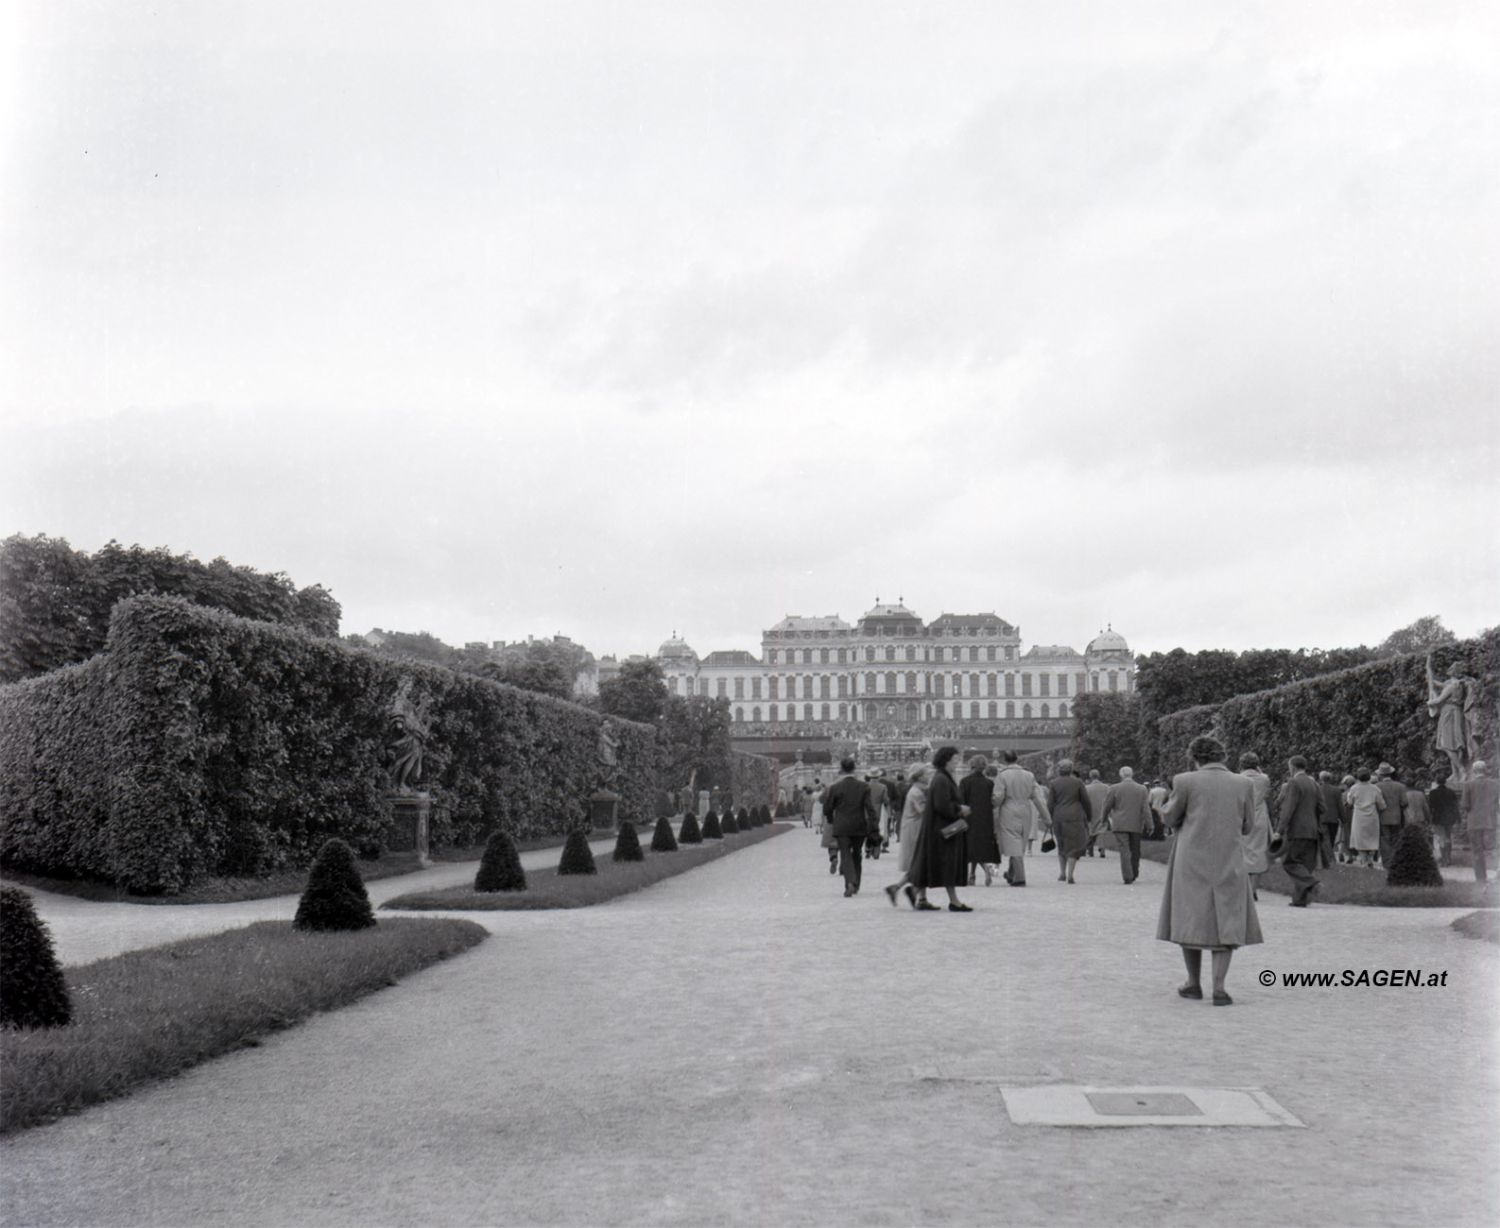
pixel 731 656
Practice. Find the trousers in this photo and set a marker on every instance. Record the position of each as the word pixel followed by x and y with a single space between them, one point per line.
pixel 851 863
pixel 1299 862
pixel 1130 854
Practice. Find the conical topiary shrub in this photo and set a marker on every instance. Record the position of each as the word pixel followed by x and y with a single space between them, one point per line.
pixel 335 898
pixel 742 817
pixel 628 844
pixel 1412 864
pixel 500 867
pixel 765 815
pixel 663 841
pixel 577 857
pixel 690 832
pixel 33 993
pixel 729 826
pixel 711 828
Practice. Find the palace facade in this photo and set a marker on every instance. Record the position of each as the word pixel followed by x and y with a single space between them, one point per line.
pixel 891 682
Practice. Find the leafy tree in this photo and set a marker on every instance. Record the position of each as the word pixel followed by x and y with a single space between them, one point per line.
pixel 33 993
pixel 335 898
pixel 695 742
pixel 407 646
pixel 315 610
pixel 1107 732
pixel 500 867
pixel 637 693
pixel 1427 632
pixel 663 841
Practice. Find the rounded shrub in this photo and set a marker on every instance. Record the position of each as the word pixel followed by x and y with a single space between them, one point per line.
pixel 765 815
pixel 742 817
pixel 33 993
pixel 335 898
pixel 628 844
pixel 729 826
pixel 500 867
pixel 1412 864
pixel 690 833
pixel 577 857
pixel 663 841
pixel 711 827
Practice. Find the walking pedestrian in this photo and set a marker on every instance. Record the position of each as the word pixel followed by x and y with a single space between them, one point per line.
pixel 1127 813
pixel 1072 812
pixel 909 830
pixel 1443 803
pixel 1393 817
pixel 1022 809
pixel 978 793
pixel 1300 820
pixel 942 859
pixel 1257 843
pixel 851 818
pixel 1479 804
pixel 1366 802
pixel 1206 903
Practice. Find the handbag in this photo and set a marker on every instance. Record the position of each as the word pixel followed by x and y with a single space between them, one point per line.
pixel 1048 844
pixel 954 828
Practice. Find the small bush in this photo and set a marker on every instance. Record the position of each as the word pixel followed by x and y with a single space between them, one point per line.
pixel 663 841
pixel 729 826
pixel 335 898
pixel 690 833
pixel 1412 864
pixel 628 844
pixel 577 857
pixel 711 828
pixel 742 817
pixel 32 991
pixel 500 867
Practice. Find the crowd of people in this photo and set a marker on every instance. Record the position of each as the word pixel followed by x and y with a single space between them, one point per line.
pixel 946 829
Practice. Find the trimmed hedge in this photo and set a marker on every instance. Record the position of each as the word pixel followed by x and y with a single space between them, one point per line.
pixel 335 898
pixel 33 993
pixel 663 841
pixel 1367 715
pixel 729 826
pixel 577 857
pixel 1412 862
pixel 628 843
pixel 690 832
pixel 712 829
pixel 500 868
pixel 199 743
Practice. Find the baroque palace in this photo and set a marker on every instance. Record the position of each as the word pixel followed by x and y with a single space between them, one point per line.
pixel 890 687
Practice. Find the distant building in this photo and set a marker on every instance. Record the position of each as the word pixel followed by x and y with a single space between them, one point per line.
pixel 892 683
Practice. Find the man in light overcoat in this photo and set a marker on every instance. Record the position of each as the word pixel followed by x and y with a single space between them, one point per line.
pixel 1127 813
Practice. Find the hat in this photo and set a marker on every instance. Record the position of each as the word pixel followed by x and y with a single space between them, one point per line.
pixel 1385 769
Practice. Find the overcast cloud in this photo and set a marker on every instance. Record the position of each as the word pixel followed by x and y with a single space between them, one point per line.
pixel 610 320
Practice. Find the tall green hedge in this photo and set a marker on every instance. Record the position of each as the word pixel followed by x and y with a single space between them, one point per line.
pixel 201 743
pixel 1363 716
pixel 753 778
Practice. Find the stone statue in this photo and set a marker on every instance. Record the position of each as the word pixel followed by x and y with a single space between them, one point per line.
pixel 1452 703
pixel 411 725
pixel 609 749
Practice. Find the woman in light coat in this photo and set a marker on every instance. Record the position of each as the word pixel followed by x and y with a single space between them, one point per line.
pixel 1258 842
pixel 913 816
pixel 1206 904
pixel 1366 801
pixel 1020 806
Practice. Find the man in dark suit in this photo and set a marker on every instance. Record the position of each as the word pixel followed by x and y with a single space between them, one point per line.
pixel 1127 813
pixel 1300 825
pixel 1393 818
pixel 846 806
pixel 1443 803
pixel 1333 817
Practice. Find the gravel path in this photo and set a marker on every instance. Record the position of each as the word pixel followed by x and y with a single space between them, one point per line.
pixel 738 1044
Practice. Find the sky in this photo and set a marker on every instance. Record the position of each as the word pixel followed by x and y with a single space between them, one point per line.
pixel 614 320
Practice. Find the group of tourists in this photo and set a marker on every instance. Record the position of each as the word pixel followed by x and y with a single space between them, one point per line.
pixel 1219 821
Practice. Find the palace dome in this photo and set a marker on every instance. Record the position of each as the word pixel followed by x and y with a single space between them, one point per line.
pixel 676 649
pixel 1108 640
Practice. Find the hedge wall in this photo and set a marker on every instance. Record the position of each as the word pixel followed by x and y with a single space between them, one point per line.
pixel 1365 715
pixel 1042 763
pixel 201 743
pixel 754 780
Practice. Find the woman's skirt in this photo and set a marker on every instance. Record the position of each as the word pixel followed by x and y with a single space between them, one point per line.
pixel 1364 832
pixel 1072 835
pixel 1256 843
pixel 984 849
pixel 937 862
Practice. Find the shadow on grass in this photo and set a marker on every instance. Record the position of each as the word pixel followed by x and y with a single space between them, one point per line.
pixel 149 1014
pixel 1343 884
pixel 1482 925
pixel 549 889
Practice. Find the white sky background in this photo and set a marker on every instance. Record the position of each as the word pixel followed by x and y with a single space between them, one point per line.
pixel 608 319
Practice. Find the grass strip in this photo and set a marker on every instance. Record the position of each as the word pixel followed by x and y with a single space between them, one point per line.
pixel 146 1015
pixel 548 889
pixel 1344 884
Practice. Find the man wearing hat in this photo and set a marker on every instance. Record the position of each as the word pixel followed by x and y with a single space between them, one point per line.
pixel 1480 804
pixel 1300 826
pixel 1393 817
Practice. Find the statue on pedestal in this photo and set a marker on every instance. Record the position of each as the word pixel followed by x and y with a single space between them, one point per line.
pixel 411 724
pixel 1452 703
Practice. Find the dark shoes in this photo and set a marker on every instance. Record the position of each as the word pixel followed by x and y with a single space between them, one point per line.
pixel 1221 998
pixel 959 908
pixel 1190 991
pixel 911 895
pixel 925 906
pixel 891 892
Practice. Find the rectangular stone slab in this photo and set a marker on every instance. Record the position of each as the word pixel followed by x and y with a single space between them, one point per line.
pixel 1071 1105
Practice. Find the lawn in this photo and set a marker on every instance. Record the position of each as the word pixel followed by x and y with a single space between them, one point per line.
pixel 548 889
pixel 149 1014
pixel 1343 884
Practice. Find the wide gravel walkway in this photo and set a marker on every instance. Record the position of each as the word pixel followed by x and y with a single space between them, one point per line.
pixel 741 1045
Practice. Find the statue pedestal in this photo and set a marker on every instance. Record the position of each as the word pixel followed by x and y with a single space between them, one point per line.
pixel 410 815
pixel 604 810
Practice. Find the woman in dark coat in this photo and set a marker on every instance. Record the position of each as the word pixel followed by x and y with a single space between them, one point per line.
pixel 940 862
pixel 978 793
pixel 1072 813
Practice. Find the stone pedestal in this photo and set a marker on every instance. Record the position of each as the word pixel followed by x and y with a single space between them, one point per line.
pixel 604 810
pixel 410 816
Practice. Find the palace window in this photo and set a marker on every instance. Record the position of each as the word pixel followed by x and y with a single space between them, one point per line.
pixel 994 709
pixel 824 685
pixel 807 712
pixel 1010 710
pixel 1025 684
pixel 1093 682
pixel 937 709
pixel 911 682
pixel 1046 681
pixel 843 712
pixel 775 713
pixel 890 683
pixel 989 653
pixel 843 686
pixel 1010 652
pixel 974 711
pixel 938 681
pixel 722 688
pixel 755 690
pixel 755 715
pixel 974 653
pixel 1045 712
pixel 843 652
pixel 911 652
pixel 739 688
pixel 1062 684
pixel 1010 684
pixel 991 684
pixel 870 653
pixel 890 652
pixel 973 684
pixel 1062 709
pixel 827 713
pixel 1026 712
pixel 822 656
pixel 774 685
pixel 1114 681
pixel 1080 683
pixel 870 684
pixel 672 684
pixel 937 653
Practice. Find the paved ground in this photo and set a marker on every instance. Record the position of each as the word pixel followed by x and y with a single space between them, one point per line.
pixel 737 1045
